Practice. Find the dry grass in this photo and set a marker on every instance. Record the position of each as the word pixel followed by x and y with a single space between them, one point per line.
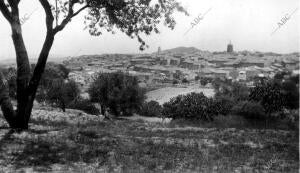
pixel 138 146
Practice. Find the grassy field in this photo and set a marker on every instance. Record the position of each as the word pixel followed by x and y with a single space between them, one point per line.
pixel 83 144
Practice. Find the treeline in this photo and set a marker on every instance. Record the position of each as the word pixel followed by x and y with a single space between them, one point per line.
pixel 268 101
pixel 119 94
pixel 55 89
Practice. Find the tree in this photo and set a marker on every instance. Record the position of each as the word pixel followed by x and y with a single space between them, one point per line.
pixel 269 95
pixel 184 80
pixel 204 81
pixel 133 17
pixel 117 91
pixel 62 93
pixel 235 90
pixel 52 72
pixel 193 106
pixel 151 109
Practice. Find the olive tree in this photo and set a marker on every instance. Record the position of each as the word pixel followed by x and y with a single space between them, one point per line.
pixel 133 17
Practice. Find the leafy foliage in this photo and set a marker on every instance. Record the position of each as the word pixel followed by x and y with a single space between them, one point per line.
pixel 151 109
pixel 185 80
pixel 293 119
pixel 250 110
pixel 224 104
pixel 53 71
pixel 291 93
pixel 175 82
pixel 10 75
pixel 133 17
pixel 53 76
pixel 117 91
pixel 204 81
pixel 61 93
pixel 269 95
pixel 235 90
pixel 190 106
pixel 85 105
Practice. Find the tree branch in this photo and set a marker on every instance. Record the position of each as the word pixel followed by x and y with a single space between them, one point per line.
pixel 70 15
pixel 49 16
pixel 6 13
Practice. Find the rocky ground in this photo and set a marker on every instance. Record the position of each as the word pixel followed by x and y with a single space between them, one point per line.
pixel 77 142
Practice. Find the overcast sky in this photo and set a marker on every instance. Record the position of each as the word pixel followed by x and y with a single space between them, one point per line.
pixel 248 24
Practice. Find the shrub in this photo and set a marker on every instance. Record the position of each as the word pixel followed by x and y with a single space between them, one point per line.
pixel 10 75
pixel 250 110
pixel 185 80
pixel 151 109
pixel 235 90
pixel 291 94
pixel 175 82
pixel 52 72
pixel 61 93
pixel 84 105
pixel 117 91
pixel 293 119
pixel 204 81
pixel 269 95
pixel 224 104
pixel 190 106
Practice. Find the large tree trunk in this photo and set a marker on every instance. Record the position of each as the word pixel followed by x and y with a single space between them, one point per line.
pixel 16 119
pixel 26 87
pixel 23 75
pixel 37 75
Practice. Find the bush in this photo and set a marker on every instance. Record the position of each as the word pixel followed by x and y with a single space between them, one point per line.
pixel 52 72
pixel 293 119
pixel 204 81
pixel 61 93
pixel 191 106
pixel 185 80
pixel 151 109
pixel 235 90
pixel 175 82
pixel 269 95
pixel 84 105
pixel 117 91
pixel 10 75
pixel 224 104
pixel 250 110
pixel 291 94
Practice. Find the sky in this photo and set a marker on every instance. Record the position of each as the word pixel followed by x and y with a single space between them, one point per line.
pixel 247 24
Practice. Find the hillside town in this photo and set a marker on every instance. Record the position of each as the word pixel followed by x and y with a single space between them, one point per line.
pixel 182 63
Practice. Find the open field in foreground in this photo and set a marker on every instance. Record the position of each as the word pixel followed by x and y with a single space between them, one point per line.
pixel 83 144
pixel 163 95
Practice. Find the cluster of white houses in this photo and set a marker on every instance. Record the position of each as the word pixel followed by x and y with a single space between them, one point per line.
pixel 166 67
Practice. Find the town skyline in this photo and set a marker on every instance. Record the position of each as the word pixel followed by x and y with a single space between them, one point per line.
pixel 250 31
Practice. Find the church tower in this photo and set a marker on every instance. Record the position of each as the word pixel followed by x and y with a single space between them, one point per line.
pixel 159 50
pixel 229 48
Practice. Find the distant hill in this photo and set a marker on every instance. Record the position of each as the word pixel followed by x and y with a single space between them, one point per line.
pixel 179 50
